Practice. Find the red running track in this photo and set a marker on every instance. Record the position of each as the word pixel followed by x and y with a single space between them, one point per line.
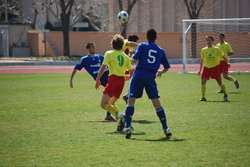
pixel 67 69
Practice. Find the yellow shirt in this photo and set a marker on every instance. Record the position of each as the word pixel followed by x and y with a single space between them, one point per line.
pixel 211 56
pixel 225 48
pixel 118 62
pixel 126 46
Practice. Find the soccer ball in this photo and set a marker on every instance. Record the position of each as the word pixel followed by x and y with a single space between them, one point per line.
pixel 123 17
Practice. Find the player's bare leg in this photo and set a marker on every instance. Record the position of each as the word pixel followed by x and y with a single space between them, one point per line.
pixel 162 116
pixel 223 88
pixel 112 102
pixel 121 120
pixel 113 110
pixel 229 78
pixel 203 89
pixel 106 106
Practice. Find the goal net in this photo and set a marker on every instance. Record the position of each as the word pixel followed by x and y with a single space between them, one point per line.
pixel 194 32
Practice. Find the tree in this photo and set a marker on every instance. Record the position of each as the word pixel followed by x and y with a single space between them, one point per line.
pixel 13 10
pixel 70 12
pixel 194 7
pixel 131 4
pixel 65 21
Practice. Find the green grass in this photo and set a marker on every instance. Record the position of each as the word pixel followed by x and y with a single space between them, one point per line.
pixel 45 123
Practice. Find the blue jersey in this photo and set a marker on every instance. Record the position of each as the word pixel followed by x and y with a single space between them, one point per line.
pixel 92 65
pixel 150 56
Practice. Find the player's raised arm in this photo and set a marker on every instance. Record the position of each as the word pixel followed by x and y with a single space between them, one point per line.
pixel 132 44
pixel 100 73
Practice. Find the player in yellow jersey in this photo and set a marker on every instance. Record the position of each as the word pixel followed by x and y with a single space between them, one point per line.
pixel 224 66
pixel 210 60
pixel 130 44
pixel 129 47
pixel 118 63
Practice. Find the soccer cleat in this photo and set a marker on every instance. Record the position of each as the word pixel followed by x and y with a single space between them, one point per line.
pixel 125 98
pixel 128 132
pixel 220 91
pixel 168 133
pixel 109 118
pixel 225 98
pixel 236 83
pixel 203 99
pixel 121 124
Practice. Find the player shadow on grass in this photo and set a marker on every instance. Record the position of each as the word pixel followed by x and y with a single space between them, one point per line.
pixel 122 133
pixel 233 92
pixel 143 121
pixel 134 121
pixel 229 101
pixel 160 140
pixel 104 121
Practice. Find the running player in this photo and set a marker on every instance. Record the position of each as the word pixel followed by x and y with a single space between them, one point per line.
pixel 118 63
pixel 210 60
pixel 92 63
pixel 149 56
pixel 224 65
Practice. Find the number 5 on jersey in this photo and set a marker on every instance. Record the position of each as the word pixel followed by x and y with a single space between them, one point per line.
pixel 151 55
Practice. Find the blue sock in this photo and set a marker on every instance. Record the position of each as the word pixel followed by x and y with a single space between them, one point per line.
pixel 128 115
pixel 161 114
pixel 108 114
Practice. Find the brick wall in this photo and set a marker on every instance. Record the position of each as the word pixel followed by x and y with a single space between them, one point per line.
pixel 170 42
pixel 35 42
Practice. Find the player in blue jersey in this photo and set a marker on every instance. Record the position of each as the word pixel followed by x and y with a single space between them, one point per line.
pixel 149 56
pixel 92 63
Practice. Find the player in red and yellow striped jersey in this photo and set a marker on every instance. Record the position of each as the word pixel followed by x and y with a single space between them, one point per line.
pixel 224 65
pixel 210 60
pixel 118 63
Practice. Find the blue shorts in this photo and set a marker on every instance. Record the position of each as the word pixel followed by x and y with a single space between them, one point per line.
pixel 140 80
pixel 104 78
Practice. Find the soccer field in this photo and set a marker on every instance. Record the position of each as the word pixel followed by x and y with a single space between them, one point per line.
pixel 43 122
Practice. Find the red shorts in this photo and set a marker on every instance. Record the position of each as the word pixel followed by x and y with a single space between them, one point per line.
pixel 223 67
pixel 114 86
pixel 213 73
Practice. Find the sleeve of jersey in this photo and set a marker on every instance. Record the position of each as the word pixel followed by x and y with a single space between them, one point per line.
pixel 138 52
pixel 164 60
pixel 80 65
pixel 106 59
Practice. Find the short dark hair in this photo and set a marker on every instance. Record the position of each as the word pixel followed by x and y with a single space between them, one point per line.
pixel 211 37
pixel 151 35
pixel 222 35
pixel 117 42
pixel 133 38
pixel 89 45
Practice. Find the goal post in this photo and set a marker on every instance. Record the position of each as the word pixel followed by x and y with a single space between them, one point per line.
pixel 194 31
